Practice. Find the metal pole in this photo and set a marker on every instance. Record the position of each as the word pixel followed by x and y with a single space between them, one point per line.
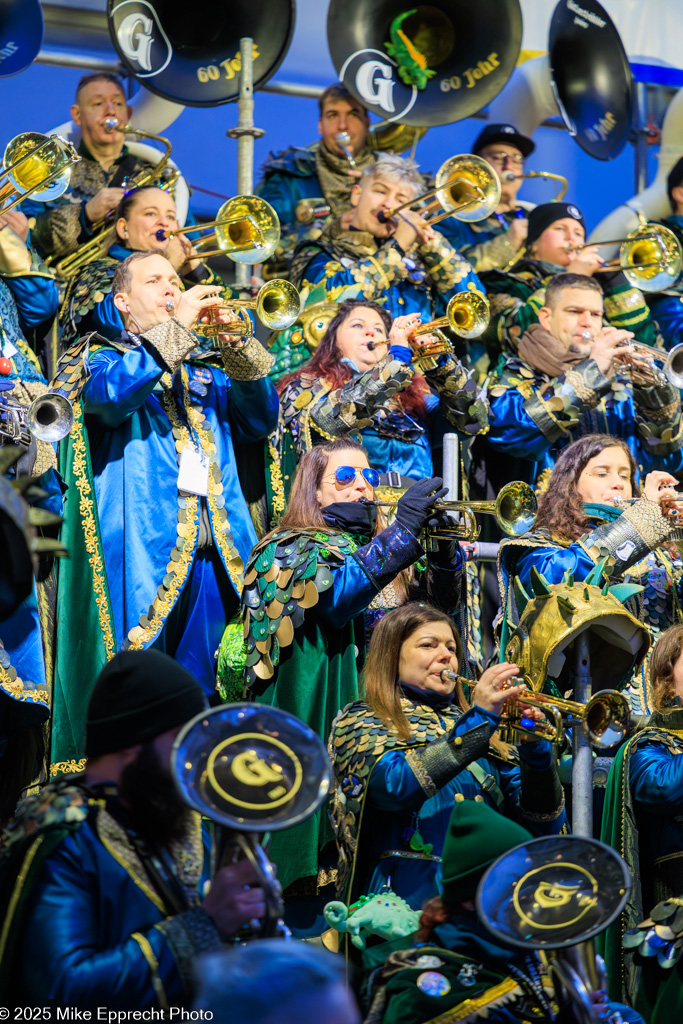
pixel 245 133
pixel 451 453
pixel 641 137
pixel 582 762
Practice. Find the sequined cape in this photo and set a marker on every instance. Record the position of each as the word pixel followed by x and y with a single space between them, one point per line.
pixel 309 602
pixel 355 265
pixel 660 575
pixel 72 885
pixel 517 295
pixel 534 417
pixel 644 832
pixel 370 403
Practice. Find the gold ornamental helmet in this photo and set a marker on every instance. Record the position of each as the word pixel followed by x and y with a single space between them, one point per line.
pixel 558 613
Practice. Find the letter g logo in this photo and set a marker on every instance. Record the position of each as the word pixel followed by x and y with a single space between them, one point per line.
pixel 140 38
pixel 375 83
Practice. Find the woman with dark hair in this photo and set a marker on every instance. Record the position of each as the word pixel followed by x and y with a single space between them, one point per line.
pixel 643 819
pixel 360 379
pixel 142 221
pixel 315 587
pixel 593 512
pixel 412 747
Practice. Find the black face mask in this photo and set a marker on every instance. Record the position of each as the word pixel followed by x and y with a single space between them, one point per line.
pixel 351 516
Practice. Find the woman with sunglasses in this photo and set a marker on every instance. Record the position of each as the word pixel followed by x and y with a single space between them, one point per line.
pixel 360 378
pixel 142 222
pixel 313 590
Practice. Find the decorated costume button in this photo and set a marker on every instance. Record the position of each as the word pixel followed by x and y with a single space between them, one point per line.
pixel 432 983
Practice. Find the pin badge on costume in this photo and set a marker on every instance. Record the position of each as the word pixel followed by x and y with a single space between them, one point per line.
pixel 432 983
pixel 141 37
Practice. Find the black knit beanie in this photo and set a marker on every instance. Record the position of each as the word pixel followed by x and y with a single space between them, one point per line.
pixel 541 217
pixel 138 696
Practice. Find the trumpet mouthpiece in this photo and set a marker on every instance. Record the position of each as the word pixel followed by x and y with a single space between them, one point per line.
pixel 169 305
pixel 509 176
pixel 161 235
pixel 111 124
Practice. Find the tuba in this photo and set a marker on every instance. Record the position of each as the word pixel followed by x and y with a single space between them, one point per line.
pixel 251 769
pixel 553 896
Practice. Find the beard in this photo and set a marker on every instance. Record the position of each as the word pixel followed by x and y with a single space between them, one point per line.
pixel 148 791
pixel 580 347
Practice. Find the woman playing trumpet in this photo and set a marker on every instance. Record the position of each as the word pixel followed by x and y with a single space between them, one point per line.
pixel 588 515
pixel 142 223
pixel 362 377
pixel 411 748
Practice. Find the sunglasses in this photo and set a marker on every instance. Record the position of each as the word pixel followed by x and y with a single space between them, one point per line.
pixel 344 476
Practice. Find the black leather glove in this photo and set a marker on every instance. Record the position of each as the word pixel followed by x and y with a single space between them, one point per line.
pixel 416 506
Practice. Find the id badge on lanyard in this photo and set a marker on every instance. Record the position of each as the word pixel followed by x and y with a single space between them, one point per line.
pixel 193 471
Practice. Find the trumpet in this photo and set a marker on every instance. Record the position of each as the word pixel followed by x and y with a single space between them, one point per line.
pixel 49 417
pixel 277 305
pixel 606 718
pixel 650 257
pixel 466 188
pixel 246 230
pixel 36 165
pixel 564 184
pixel 467 315
pixel 515 511
pixel 670 370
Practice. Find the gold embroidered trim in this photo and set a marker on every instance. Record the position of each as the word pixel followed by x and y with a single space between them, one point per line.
pixel 67 767
pixel 276 481
pixel 219 516
pixel 150 624
pixel 86 505
pixel 14 688
pixel 506 991
pixel 115 840
pixel 16 893
pixel 149 956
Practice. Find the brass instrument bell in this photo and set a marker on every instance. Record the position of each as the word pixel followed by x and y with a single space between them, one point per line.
pixel 36 165
pixel 277 305
pixel 650 257
pixel 469 188
pixel 246 230
pixel 467 315
pixel 605 719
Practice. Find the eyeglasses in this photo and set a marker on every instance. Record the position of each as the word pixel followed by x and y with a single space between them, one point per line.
pixel 344 476
pixel 500 158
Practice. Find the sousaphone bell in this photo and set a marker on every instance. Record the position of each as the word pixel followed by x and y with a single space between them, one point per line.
pixel 251 769
pixel 556 894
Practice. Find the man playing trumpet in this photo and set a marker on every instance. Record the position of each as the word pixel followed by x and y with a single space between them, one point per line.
pixel 162 422
pixel 573 376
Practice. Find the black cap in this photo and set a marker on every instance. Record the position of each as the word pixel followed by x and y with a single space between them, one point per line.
pixel 541 217
pixel 503 133
pixel 674 179
pixel 138 696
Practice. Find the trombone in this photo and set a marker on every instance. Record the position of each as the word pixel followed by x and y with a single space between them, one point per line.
pixel 515 511
pixel 277 305
pixel 246 230
pixel 650 257
pixel 36 165
pixel 564 184
pixel 466 187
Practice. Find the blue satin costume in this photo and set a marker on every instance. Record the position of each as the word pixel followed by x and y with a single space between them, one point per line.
pixel 525 424
pixel 149 529
pixel 667 307
pixel 28 298
pixel 395 799
pixel 105 936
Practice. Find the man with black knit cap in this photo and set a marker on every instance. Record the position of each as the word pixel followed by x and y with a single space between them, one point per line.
pixel 555 244
pixel 494 243
pixel 667 307
pixel 105 878
pixel 457 970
